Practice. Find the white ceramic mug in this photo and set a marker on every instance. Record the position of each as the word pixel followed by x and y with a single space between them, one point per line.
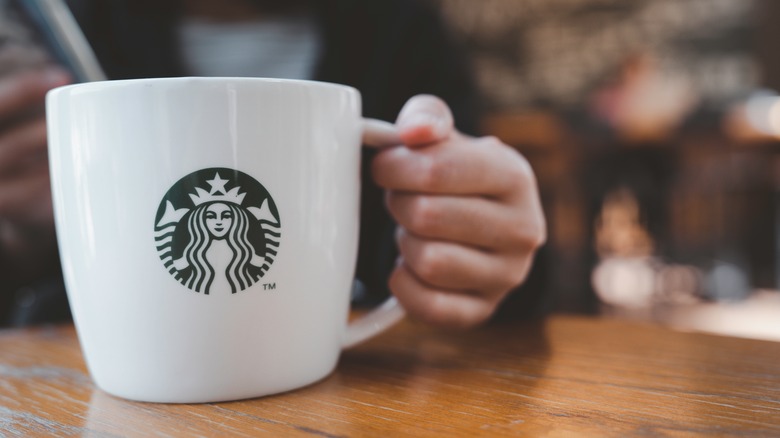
pixel 208 229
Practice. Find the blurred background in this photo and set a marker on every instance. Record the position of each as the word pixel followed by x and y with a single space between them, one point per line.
pixel 653 127
pixel 654 130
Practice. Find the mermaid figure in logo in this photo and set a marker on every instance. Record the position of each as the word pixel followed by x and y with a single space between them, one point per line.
pixel 219 254
pixel 207 225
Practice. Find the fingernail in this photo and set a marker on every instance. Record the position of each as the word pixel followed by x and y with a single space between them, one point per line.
pixel 418 120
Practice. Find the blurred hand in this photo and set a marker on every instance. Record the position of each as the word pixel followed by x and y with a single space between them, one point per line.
pixel 25 193
pixel 469 217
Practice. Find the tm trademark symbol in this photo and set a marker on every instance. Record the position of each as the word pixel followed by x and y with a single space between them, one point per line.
pixel 269 286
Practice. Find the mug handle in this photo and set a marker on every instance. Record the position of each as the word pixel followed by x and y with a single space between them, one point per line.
pixel 379 134
pixel 374 323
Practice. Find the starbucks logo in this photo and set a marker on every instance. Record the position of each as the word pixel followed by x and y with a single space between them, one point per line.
pixel 217 230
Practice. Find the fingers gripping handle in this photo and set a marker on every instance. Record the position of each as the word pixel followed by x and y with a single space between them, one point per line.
pixel 379 134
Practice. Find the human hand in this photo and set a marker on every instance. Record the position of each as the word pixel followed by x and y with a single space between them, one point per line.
pixel 25 191
pixel 468 213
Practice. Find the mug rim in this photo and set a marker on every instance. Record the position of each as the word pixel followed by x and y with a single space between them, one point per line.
pixel 118 83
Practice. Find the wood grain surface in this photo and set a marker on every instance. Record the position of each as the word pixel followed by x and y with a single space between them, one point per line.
pixel 566 376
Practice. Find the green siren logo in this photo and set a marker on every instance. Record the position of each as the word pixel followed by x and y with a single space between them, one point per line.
pixel 217 230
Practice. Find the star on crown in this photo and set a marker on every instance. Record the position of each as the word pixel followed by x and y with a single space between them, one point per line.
pixel 218 193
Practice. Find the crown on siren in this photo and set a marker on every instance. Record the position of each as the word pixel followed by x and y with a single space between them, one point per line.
pixel 218 193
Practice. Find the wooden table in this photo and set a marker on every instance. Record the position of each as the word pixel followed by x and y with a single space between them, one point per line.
pixel 566 376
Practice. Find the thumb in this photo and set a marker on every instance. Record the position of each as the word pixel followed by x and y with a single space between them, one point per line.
pixel 424 119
